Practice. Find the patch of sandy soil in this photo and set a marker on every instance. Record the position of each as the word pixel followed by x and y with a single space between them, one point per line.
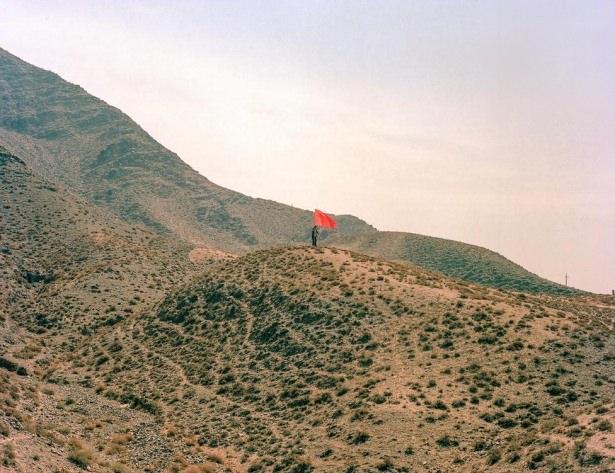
pixel 100 238
pixel 228 457
pixel 601 442
pixel 203 254
pixel 33 454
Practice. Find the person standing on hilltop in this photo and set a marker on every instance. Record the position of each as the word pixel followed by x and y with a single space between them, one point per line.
pixel 321 220
pixel 315 232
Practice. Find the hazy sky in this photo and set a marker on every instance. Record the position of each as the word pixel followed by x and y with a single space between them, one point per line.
pixel 487 122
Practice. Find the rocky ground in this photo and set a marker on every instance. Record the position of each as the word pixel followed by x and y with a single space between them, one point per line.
pixel 123 349
pixel 306 359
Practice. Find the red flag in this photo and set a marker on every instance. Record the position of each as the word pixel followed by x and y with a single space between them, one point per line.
pixel 321 219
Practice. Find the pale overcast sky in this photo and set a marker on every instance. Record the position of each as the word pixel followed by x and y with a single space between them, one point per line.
pixel 487 122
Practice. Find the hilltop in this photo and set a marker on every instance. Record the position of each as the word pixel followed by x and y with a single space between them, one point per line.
pixel 454 259
pixel 302 359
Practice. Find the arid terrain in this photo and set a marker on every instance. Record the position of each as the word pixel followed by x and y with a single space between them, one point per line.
pixel 151 321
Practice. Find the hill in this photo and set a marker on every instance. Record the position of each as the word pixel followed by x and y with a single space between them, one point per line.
pixel 119 353
pixel 452 258
pixel 55 242
pixel 69 136
pixel 69 270
pixel 301 359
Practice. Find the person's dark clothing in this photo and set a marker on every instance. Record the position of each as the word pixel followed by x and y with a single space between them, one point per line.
pixel 315 236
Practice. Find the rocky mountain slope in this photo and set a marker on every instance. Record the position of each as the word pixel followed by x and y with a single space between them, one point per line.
pixel 121 351
pixel 69 270
pixel 54 242
pixel 67 135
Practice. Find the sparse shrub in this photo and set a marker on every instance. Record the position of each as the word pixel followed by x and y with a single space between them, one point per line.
pixel 493 457
pixel 535 460
pixel 326 453
pixel 81 457
pixel 440 405
pixel 513 457
pixel 586 458
pixel 302 467
pixel 256 467
pixel 447 442
pixel 214 458
pixel 575 432
pixel 8 456
pixel 604 426
pixel 358 438
pixel 507 423
pixel 480 445
pixel 119 468
pixel 102 360
pixel 385 465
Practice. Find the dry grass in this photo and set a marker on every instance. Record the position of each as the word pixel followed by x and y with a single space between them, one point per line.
pixel 286 360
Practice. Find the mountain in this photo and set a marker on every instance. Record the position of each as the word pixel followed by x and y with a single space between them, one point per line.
pixel 122 352
pixel 452 258
pixel 71 137
pixel 67 135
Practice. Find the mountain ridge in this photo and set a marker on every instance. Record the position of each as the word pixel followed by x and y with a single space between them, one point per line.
pixel 70 136
pixel 65 133
pixel 453 258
